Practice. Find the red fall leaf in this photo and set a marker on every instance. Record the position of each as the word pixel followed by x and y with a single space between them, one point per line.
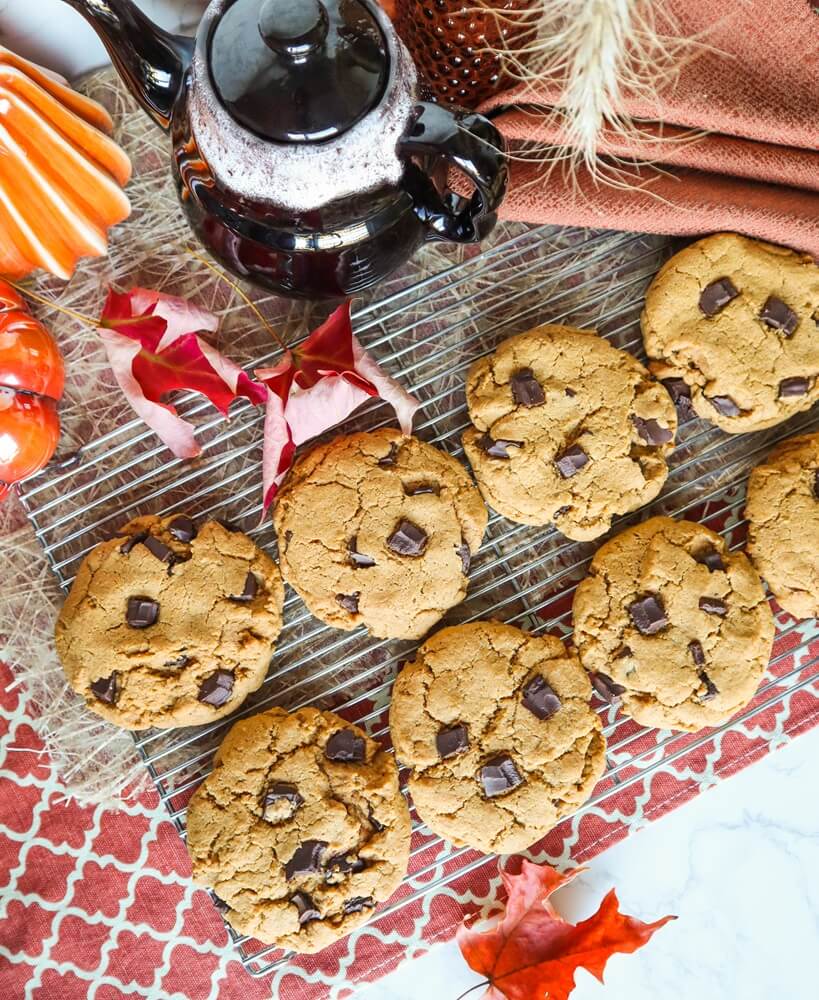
pixel 532 953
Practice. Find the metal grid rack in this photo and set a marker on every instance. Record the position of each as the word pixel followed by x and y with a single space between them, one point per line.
pixel 429 332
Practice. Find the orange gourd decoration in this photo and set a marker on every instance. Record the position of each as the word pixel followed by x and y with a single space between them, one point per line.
pixel 61 175
pixel 31 382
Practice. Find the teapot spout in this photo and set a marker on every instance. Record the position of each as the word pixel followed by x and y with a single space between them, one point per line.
pixel 152 62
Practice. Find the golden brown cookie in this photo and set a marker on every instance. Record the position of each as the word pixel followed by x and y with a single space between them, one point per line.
pixel 170 625
pixel 301 828
pixel 783 523
pixel 732 322
pixel 567 429
pixel 673 624
pixel 378 530
pixel 497 729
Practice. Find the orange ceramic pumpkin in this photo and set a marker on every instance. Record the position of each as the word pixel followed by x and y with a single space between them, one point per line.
pixel 31 382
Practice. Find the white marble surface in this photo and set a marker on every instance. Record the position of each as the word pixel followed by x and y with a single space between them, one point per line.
pixel 739 865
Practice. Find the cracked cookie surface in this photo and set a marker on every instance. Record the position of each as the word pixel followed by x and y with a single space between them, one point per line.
pixel 170 623
pixel 567 429
pixel 738 321
pixel 300 829
pixel 496 726
pixel 783 529
pixel 673 624
pixel 377 529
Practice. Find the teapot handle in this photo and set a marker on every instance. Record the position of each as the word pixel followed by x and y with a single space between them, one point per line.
pixel 438 138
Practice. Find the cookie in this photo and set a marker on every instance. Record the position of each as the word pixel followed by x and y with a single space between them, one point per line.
pixel 170 625
pixel 497 729
pixel 378 530
pixel 732 323
pixel 783 524
pixel 300 830
pixel 673 624
pixel 567 429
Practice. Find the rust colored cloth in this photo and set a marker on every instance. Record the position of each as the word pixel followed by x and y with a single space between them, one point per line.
pixel 755 90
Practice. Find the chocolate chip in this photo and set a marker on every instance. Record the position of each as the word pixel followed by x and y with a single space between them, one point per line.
pixel 358 903
pixel 306 860
pixel 724 405
pixel 526 390
pixel 134 540
pixel 250 591
pixel 106 689
pixel 341 865
pixel 570 392
pixel 408 539
pixel 349 601
pixel 697 655
pixel 796 386
pixel 713 606
pixel 680 393
pixel 142 612
pixel 622 653
pixel 779 316
pixel 716 296
pixel 816 484
pixel 711 558
pixel 306 907
pixel 374 823
pixel 178 663
pixel 417 489
pixel 711 689
pixel 358 559
pixel 648 614
pixel 280 801
pixel 216 688
pixel 346 746
pixel 159 549
pixel 540 698
pixel 182 529
pixel 389 459
pixel 571 461
pixel 466 557
pixel 606 687
pixel 451 740
pixel 561 511
pixel 651 432
pixel 499 775
pixel 497 448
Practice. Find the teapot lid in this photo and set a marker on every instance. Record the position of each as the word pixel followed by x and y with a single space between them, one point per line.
pixel 298 70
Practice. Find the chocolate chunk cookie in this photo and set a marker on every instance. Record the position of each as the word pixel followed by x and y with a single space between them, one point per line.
pixel 301 829
pixel 567 429
pixel 673 624
pixel 497 729
pixel 783 528
pixel 736 320
pixel 378 530
pixel 170 624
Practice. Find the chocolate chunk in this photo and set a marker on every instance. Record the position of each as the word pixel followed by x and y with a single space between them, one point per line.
pixel 648 614
pixel 358 903
pixel 606 687
pixel 816 484
pixel 711 558
pixel 182 529
pixel 540 698
pixel 651 432
pixel 622 653
pixel 346 746
pixel 374 823
pixel 796 386
pixel 306 907
pixel 779 316
pixel 178 663
pixel 497 448
pixel 306 859
pixel 142 612
pixel 106 689
pixel 280 802
pixel 250 591
pixel 389 459
pixel 342 864
pixel 724 405
pixel 713 606
pixel 711 689
pixel 408 539
pixel 716 296
pixel 216 688
pixel 680 393
pixel 358 559
pixel 349 601
pixel 466 557
pixel 526 390
pixel 499 775
pixel 571 461
pixel 160 550
pixel 129 543
pixel 417 489
pixel 697 655
pixel 451 740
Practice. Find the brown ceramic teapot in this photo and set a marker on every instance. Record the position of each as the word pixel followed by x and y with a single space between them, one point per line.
pixel 303 157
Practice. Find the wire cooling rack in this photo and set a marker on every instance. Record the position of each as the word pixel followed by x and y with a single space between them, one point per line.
pixel 427 333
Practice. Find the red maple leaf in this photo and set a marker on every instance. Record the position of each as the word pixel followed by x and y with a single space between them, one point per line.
pixel 533 953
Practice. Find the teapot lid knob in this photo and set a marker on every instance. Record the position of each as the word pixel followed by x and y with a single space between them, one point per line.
pixel 293 29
